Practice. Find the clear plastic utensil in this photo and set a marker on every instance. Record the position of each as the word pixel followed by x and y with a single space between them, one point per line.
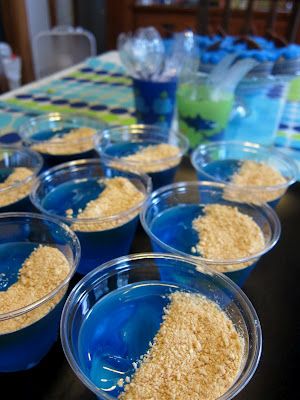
pixel 236 73
pixel 221 69
pixel 125 52
pixel 184 57
pixel 152 58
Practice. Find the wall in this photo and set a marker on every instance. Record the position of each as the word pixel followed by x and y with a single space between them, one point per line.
pixel 91 15
pixel 38 20
pixel 64 12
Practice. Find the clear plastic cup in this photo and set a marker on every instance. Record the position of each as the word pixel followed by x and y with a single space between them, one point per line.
pixel 113 143
pixel 139 269
pixel 287 67
pixel 74 184
pixel 167 218
pixel 203 109
pixel 38 130
pixel 219 161
pixel 24 347
pixel 261 103
pixel 15 197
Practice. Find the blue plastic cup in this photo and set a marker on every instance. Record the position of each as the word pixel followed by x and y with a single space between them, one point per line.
pixel 219 161
pixel 155 101
pixel 76 182
pixel 11 197
pixel 24 348
pixel 139 269
pixel 116 142
pixel 38 130
pixel 168 214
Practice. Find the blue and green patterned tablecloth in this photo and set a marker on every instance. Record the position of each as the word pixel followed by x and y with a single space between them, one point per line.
pixel 99 89
pixel 289 130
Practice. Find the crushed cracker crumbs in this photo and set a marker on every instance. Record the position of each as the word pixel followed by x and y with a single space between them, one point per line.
pixel 40 274
pixel 252 173
pixel 118 196
pixel 11 195
pixel 76 141
pixel 152 158
pixel 197 354
pixel 226 234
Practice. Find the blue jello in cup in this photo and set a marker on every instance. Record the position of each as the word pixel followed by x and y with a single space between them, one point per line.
pixel 118 147
pixel 222 161
pixel 19 167
pixel 168 215
pixel 61 137
pixel 28 331
pixel 116 310
pixel 64 192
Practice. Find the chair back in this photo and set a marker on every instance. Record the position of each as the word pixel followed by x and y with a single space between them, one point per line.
pixel 60 48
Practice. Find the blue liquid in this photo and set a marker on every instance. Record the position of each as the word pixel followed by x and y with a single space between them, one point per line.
pixel 160 178
pixel 20 205
pixel 118 329
pixel 4 173
pixel 12 256
pixel 183 237
pixel 96 247
pixel 263 112
pixel 73 194
pixel 50 160
pixel 222 170
pixel 24 348
pixel 49 134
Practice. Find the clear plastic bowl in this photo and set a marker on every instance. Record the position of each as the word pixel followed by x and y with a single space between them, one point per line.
pixel 13 157
pixel 38 130
pixel 174 233
pixel 140 268
pixel 24 348
pixel 113 143
pixel 100 245
pixel 218 161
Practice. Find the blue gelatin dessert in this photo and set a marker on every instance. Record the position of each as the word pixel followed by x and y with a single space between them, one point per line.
pixel 102 210
pixel 18 170
pixel 193 219
pixel 143 149
pixel 258 174
pixel 60 137
pixel 113 315
pixel 129 319
pixel 38 257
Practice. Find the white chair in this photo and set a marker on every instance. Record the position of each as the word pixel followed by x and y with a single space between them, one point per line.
pixel 61 47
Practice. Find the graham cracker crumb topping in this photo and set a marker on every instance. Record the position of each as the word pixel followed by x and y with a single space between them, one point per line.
pixel 40 274
pixel 252 173
pixel 152 158
pixel 118 196
pixel 197 354
pixel 225 234
pixel 69 143
pixel 14 194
